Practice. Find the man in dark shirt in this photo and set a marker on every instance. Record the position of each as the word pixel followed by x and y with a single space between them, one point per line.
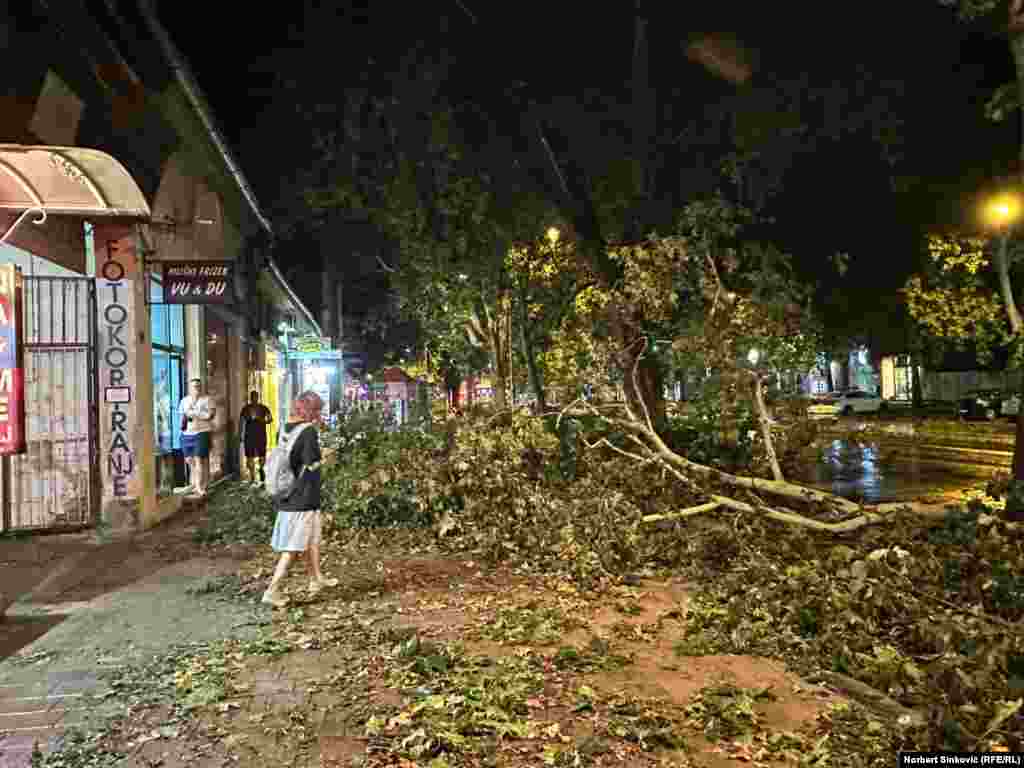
pixel 255 419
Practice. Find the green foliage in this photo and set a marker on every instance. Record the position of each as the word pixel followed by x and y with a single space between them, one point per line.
pixel 464 703
pixel 700 432
pixel 928 621
pixel 79 749
pixel 725 711
pixel 531 624
pixel 370 456
pixel 238 514
pixel 643 724
pixel 956 299
pixel 568 447
pixel 203 679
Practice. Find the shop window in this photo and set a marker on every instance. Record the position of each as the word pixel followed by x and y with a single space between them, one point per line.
pixel 167 326
pixel 218 379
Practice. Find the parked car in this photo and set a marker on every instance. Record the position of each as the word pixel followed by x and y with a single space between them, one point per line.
pixel 846 404
pixel 988 404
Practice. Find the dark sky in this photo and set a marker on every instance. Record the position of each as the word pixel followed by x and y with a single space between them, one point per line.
pixel 840 198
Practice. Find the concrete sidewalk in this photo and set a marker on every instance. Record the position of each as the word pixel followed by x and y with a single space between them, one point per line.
pixel 87 608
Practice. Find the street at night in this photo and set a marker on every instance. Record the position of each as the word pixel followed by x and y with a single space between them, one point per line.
pixel 465 385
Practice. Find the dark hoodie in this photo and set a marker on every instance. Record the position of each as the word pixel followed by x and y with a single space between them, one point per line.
pixel 305 493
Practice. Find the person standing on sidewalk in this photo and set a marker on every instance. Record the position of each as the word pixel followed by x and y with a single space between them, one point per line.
pixel 197 412
pixel 298 527
pixel 255 419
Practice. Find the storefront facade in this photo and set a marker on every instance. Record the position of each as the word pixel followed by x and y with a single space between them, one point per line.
pixel 110 179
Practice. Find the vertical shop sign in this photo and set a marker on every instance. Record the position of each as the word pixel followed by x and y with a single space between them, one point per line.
pixel 114 297
pixel 12 372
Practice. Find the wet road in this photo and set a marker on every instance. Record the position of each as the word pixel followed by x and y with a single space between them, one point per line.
pixel 875 472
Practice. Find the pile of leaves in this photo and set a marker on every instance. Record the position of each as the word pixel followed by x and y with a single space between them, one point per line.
pixel 926 616
pixel 496 490
pixel 465 706
pixel 239 514
pixel 364 486
pixel 931 622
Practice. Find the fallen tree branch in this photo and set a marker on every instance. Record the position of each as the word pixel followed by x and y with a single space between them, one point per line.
pixel 689 512
pixel 604 441
pixel 766 429
pixel 844 526
pixel 986 617
pixel 682 467
pixel 779 488
pixel 871 697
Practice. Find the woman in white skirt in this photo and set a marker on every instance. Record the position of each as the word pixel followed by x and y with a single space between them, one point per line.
pixel 298 517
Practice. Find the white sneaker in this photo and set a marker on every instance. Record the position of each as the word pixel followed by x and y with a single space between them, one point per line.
pixel 316 586
pixel 274 599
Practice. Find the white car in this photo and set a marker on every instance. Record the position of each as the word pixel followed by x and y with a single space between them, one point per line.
pixel 846 404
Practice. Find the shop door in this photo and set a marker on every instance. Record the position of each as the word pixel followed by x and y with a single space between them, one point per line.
pixel 55 484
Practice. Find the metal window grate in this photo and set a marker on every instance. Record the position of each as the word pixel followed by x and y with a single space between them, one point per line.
pixel 55 484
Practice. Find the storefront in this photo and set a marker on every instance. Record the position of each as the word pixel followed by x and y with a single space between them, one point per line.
pixel 167 328
pixel 71 218
pixel 318 368
pixel 319 372
pixel 898 377
pixel 108 345
pixel 223 443
pixel 266 379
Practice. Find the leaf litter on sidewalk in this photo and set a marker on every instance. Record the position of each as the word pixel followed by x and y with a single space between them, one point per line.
pixel 522 635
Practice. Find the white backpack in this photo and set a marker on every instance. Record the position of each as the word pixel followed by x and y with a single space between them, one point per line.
pixel 280 478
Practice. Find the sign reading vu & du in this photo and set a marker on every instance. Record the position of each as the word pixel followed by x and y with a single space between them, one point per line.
pixel 197 282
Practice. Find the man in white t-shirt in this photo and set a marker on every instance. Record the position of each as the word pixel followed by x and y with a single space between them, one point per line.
pixel 197 412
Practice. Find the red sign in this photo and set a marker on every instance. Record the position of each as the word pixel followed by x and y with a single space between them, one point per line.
pixel 12 374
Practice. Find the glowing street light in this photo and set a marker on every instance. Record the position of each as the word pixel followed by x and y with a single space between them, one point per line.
pixel 753 356
pixel 1002 211
pixel 553 235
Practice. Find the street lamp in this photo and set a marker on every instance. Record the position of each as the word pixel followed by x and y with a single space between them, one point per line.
pixel 1003 211
pixel 553 235
pixel 753 356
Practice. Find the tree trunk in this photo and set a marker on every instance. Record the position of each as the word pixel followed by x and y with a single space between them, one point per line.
pixel 500 396
pixel 828 373
pixel 915 381
pixel 642 384
pixel 531 370
pixel 526 343
pixel 766 430
pixel 1015 511
pixel 1016 30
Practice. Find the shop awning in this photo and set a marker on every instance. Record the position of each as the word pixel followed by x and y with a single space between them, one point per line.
pixel 67 180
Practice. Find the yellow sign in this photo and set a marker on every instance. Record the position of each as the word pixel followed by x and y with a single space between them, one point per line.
pixel 311 343
pixel 269 395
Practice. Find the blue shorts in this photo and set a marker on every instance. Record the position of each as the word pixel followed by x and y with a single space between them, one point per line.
pixel 196 445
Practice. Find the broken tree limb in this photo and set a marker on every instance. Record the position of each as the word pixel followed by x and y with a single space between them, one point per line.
pixel 870 697
pixel 756 484
pixel 766 430
pixel 934 512
pixel 683 469
pixel 689 512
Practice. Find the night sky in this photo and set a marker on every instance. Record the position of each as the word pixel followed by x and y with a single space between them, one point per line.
pixel 840 198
